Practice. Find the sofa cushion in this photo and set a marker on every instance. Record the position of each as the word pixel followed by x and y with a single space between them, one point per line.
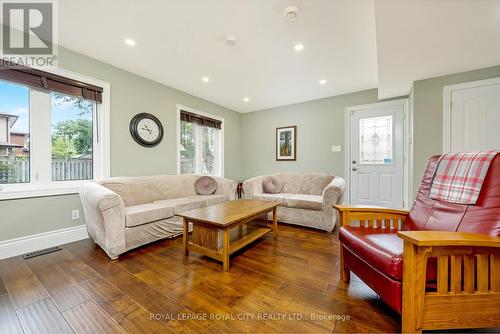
pixel 136 215
pixel 309 202
pixel 272 185
pixel 205 185
pixel 271 197
pixel 184 203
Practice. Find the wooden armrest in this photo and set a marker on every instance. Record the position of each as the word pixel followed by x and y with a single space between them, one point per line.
pixel 369 208
pixel 441 238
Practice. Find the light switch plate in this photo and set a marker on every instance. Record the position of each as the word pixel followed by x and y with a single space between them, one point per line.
pixel 336 148
pixel 75 214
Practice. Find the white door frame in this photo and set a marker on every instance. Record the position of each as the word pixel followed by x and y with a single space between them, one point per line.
pixel 447 93
pixel 407 146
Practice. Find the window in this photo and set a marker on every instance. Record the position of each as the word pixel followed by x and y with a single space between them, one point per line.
pixel 200 144
pixel 14 133
pixel 375 140
pixel 49 139
pixel 72 138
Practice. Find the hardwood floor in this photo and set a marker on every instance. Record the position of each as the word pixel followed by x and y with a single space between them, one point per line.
pixel 290 286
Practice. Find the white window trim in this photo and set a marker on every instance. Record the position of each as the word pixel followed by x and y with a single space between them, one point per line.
pixel 29 190
pixel 180 107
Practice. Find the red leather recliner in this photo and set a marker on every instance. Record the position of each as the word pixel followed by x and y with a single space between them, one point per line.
pixel 376 252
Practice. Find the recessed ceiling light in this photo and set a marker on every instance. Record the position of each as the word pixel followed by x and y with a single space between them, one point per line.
pixel 298 47
pixel 129 42
pixel 246 99
pixel 230 40
pixel 322 81
pixel 205 79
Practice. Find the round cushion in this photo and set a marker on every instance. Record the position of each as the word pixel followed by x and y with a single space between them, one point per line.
pixel 205 185
pixel 272 185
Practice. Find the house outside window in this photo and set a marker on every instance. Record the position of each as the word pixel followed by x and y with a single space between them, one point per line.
pixel 200 144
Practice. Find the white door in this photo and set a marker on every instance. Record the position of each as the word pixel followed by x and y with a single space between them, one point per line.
pixel 376 154
pixel 474 119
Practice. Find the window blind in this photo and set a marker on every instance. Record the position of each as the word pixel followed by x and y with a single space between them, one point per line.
pixel 47 81
pixel 187 116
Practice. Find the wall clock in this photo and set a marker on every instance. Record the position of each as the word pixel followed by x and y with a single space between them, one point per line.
pixel 146 129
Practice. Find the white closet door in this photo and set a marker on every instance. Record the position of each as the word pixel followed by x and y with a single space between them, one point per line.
pixel 475 118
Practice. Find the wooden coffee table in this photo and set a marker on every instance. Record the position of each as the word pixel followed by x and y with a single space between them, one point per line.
pixel 222 229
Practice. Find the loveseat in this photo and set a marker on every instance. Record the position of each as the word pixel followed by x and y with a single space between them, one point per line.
pixel 123 213
pixel 307 199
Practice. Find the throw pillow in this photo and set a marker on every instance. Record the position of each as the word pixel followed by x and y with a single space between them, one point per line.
pixel 205 185
pixel 271 185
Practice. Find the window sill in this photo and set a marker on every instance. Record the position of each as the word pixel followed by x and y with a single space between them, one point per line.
pixel 31 191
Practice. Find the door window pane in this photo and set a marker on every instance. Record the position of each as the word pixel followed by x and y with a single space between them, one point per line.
pixel 14 133
pixel 72 138
pixel 188 148
pixel 375 140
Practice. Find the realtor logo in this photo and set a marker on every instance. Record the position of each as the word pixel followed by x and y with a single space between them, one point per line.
pixel 28 30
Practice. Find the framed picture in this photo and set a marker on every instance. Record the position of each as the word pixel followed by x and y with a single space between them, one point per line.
pixel 286 143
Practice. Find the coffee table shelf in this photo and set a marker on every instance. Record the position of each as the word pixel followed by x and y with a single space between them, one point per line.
pixel 222 229
pixel 253 233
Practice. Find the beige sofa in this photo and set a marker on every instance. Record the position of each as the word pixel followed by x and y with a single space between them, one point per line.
pixel 123 213
pixel 306 199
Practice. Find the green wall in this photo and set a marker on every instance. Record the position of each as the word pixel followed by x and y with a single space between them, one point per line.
pixel 428 115
pixel 249 138
pixel 130 94
pixel 320 124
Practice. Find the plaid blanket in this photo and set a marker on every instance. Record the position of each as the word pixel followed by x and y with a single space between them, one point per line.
pixel 459 176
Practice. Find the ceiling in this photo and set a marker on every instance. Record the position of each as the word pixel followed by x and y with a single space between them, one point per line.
pixel 420 39
pixel 354 45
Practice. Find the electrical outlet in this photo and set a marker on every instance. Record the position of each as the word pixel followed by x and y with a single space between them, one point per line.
pixel 336 148
pixel 75 214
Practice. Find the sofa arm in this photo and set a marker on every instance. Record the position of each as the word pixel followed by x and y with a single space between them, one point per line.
pixel 253 186
pixel 105 217
pixel 226 187
pixel 333 192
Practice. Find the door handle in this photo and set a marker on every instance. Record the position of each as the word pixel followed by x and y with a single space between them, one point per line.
pixel 354 169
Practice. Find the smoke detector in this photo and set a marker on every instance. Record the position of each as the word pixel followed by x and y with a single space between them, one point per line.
pixel 290 13
pixel 230 40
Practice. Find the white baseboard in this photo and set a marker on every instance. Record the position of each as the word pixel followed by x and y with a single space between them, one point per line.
pixel 23 245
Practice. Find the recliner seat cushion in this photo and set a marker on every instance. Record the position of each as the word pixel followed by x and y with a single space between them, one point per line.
pixel 380 247
pixel 309 202
pixel 388 289
pixel 136 215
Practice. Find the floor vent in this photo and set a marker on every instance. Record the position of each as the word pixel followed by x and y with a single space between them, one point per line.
pixel 41 252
